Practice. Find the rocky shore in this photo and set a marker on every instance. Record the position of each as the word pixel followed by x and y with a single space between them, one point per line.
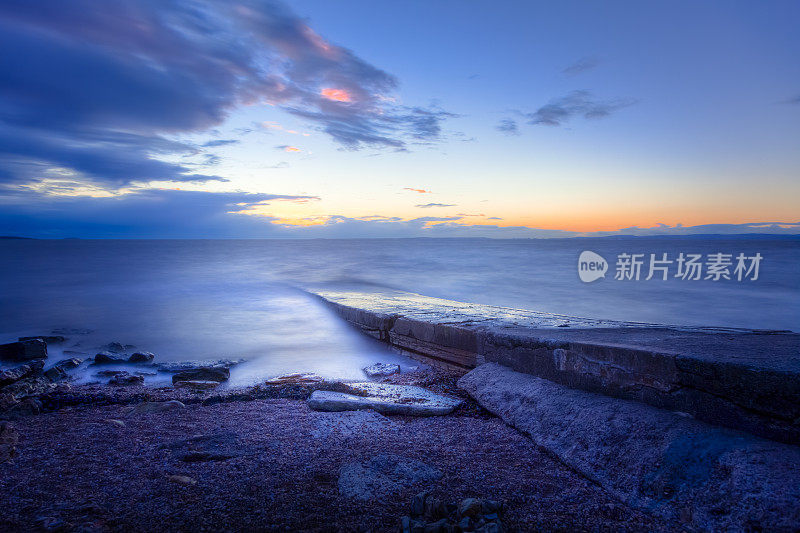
pixel 123 456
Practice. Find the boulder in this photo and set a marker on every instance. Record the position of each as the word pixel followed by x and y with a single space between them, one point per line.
pixel 382 476
pixel 49 339
pixel 126 379
pixel 380 370
pixel 68 364
pixel 141 357
pixel 384 398
pixel 23 350
pixel 205 373
pixel 10 375
pixel 107 358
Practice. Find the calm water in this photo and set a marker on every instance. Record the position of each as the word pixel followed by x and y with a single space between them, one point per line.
pixel 206 300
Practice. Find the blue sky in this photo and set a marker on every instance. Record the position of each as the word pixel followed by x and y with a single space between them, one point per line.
pixel 359 119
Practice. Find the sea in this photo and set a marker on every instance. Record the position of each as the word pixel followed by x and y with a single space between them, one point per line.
pixel 206 300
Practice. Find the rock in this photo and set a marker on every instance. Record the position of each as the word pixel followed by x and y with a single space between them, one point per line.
pixel 408 525
pixel 141 357
pixel 115 347
pixel 206 373
pixel 24 350
pixel 68 364
pixel 440 526
pixel 672 466
pixel 106 358
pixel 384 398
pixel 180 366
pixel 29 386
pixel 156 407
pixel 17 373
pixel 418 504
pixel 183 480
pixel 26 407
pixel 435 509
pixel 197 385
pixel 379 370
pixel 471 507
pixel 109 373
pixel 54 373
pixel 126 379
pixel 383 475
pixel 295 379
pixel 48 339
pixel 9 438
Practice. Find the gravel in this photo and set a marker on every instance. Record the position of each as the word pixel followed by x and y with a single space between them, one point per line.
pixel 273 464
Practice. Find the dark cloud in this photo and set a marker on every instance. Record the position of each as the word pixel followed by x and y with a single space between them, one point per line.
pixel 434 205
pixel 581 65
pixel 494 218
pixel 220 142
pixel 575 104
pixel 94 87
pixel 147 213
pixel 793 101
pixel 508 126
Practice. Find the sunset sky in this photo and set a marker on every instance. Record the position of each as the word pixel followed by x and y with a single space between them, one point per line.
pixel 178 118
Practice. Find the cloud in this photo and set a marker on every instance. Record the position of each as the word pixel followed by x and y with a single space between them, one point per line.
pixel 288 148
pixel 494 218
pixel 581 65
pixel 577 103
pixel 166 213
pixel 508 126
pixel 99 87
pixel 470 215
pixel 434 205
pixel 219 142
pixel 793 101
pixel 782 228
pixel 421 191
pixel 150 213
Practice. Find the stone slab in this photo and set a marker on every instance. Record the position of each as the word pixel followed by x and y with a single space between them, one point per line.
pixel 707 477
pixel 738 378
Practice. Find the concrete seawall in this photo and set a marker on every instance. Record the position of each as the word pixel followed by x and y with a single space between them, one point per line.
pixel 741 379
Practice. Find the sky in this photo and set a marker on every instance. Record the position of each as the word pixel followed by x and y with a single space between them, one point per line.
pixel 250 119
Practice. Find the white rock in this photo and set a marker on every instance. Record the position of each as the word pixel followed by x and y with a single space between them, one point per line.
pixel 385 398
pixel 379 370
